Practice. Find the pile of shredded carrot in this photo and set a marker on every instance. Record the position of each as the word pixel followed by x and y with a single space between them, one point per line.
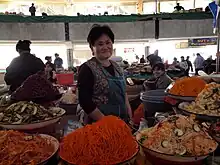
pixel 18 148
pixel 108 141
pixel 188 86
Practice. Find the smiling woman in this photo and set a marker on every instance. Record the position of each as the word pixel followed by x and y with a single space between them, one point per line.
pixel 100 81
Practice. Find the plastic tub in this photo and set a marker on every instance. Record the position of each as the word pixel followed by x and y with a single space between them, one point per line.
pixel 153 101
pixel 65 78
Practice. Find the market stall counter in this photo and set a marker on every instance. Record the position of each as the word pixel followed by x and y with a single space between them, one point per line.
pixel 175 140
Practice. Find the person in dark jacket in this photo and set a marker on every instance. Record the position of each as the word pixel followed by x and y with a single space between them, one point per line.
pixel 101 83
pixel 58 62
pixel 154 59
pixel 50 69
pixel 142 60
pixel 32 9
pixel 190 66
pixel 178 7
pixel 23 66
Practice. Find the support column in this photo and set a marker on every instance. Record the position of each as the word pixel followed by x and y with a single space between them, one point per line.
pixel 147 51
pixel 69 51
pixel 158 5
pixel 194 4
pixel 156 11
pixel 140 7
pixel 69 45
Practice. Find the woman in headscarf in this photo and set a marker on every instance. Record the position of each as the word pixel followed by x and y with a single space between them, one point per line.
pixel 101 82
pixel 159 80
pixel 22 66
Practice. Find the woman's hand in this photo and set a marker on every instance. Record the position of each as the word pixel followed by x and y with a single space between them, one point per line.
pixel 96 114
pixel 128 106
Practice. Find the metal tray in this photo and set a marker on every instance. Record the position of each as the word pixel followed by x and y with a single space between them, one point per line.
pixel 169 157
pixel 34 125
pixel 198 116
pixel 182 98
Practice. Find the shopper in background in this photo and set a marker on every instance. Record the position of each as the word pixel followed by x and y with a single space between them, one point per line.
pixel 154 58
pixel 101 82
pixel 198 63
pixel 183 65
pixel 209 65
pixel 175 62
pixel 142 60
pixel 32 9
pixel 207 9
pixel 178 7
pixel 190 66
pixel 58 62
pixel 23 66
pixel 50 69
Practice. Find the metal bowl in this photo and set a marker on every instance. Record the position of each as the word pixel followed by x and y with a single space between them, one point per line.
pixel 182 98
pixel 55 144
pixel 34 125
pixel 129 161
pixel 200 117
pixel 169 157
pixel 213 133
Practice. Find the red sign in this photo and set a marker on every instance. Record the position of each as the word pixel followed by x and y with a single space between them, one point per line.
pixel 170 100
pixel 128 50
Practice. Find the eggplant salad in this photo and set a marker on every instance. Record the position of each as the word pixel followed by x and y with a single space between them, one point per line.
pixel 177 135
pixel 25 112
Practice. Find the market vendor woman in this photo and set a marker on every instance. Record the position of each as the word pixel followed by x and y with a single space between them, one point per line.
pixel 100 81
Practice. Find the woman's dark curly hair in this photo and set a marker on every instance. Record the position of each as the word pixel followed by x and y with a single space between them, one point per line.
pixel 23 45
pixel 97 31
pixel 48 58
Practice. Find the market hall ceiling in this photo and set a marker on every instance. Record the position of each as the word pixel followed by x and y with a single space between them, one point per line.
pixel 74 1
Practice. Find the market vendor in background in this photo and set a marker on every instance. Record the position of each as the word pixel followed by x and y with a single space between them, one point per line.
pixel 160 79
pixel 101 83
pixel 50 69
pixel 23 66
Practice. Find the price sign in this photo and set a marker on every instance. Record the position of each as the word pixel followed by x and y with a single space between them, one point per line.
pixel 202 42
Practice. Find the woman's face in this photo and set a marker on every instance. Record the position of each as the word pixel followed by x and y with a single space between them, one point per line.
pixel 157 72
pixel 103 48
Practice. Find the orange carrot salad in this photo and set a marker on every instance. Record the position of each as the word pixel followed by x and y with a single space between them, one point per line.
pixel 188 86
pixel 108 141
pixel 18 148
